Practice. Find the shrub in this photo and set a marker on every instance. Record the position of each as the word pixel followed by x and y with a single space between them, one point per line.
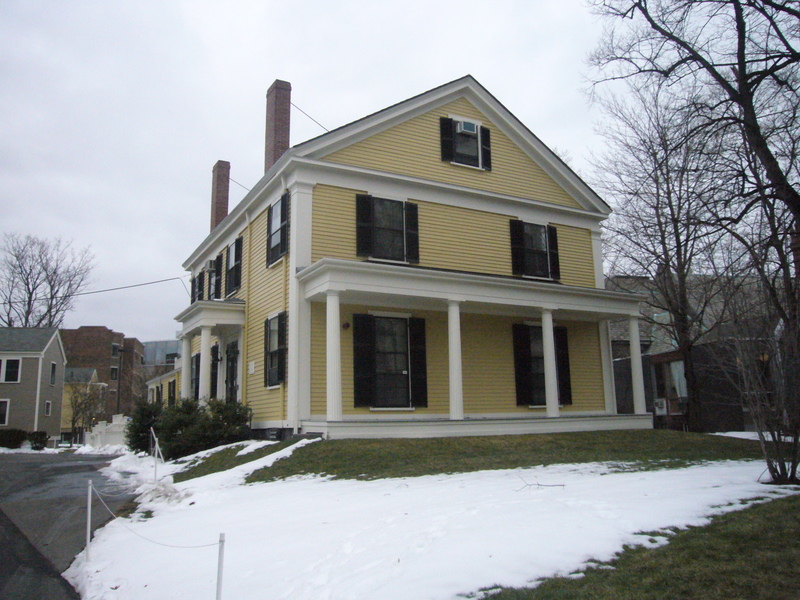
pixel 12 438
pixel 188 427
pixel 38 439
pixel 137 433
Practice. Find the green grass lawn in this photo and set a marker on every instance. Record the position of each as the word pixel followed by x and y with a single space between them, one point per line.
pixel 375 459
pixel 752 554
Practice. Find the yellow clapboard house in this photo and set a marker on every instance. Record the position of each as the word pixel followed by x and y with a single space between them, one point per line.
pixel 431 269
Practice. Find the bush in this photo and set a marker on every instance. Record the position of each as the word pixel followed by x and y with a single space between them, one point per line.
pixel 188 427
pixel 137 433
pixel 12 438
pixel 38 439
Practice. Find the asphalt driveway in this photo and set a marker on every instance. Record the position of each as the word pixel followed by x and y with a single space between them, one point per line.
pixel 43 519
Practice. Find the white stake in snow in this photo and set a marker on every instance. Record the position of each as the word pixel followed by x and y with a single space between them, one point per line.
pixel 88 519
pixel 219 565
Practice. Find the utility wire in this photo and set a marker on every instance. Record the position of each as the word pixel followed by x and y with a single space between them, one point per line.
pixel 309 116
pixel 124 287
pixel 239 184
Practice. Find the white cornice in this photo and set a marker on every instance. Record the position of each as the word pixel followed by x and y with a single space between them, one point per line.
pixel 364 279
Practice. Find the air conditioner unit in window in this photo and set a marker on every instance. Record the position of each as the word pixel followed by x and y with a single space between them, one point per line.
pixel 211 265
pixel 466 127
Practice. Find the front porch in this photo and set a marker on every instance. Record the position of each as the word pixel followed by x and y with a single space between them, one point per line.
pixel 469 320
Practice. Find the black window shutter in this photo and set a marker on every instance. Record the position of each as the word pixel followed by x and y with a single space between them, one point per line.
pixel 218 277
pixel 418 363
pixel 552 246
pixel 517 247
pixel 447 133
pixel 522 363
pixel 562 365
pixel 486 149
pixel 200 285
pixel 282 321
pixel 270 258
pixel 363 360
pixel 194 289
pixel 364 220
pixel 412 232
pixel 238 258
pixel 285 219
pixel 266 352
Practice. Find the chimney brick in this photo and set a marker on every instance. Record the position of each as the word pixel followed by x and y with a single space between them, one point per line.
pixel 279 101
pixel 220 188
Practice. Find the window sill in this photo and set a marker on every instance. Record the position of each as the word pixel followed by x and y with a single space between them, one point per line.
pixel 473 167
pixel 388 409
pixel 274 387
pixel 276 262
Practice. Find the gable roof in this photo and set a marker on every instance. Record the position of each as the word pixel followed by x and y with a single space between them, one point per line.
pixel 79 374
pixel 465 87
pixel 26 339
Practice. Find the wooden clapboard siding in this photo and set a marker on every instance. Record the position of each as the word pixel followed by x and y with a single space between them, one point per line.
pixel 487 357
pixel 576 256
pixel 333 223
pixel 267 294
pixel 461 239
pixel 413 148
pixel 585 366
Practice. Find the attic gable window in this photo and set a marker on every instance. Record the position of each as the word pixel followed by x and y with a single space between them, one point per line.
pixel 534 250
pixel 465 142
pixel 387 229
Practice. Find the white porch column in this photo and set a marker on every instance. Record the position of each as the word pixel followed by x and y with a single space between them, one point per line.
pixel 205 363
pixel 550 372
pixel 454 345
pixel 637 376
pixel 186 367
pixel 333 358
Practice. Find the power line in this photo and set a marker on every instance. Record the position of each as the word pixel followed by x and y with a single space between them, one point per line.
pixel 114 289
pixel 309 116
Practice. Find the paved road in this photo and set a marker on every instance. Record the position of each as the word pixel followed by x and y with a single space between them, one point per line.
pixel 43 520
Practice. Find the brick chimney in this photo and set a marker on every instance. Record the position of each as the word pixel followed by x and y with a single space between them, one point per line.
pixel 220 188
pixel 279 101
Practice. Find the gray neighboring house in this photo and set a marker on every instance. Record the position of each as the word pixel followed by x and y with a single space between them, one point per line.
pixel 32 363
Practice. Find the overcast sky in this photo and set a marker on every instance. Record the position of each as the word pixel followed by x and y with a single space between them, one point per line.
pixel 113 113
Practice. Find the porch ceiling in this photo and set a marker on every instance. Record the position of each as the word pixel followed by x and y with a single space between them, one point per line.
pixel 400 286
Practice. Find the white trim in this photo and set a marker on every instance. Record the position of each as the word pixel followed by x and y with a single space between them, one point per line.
pixel 389 315
pixel 412 428
pixel 4 362
pixel 8 410
pixel 392 409
pixel 38 393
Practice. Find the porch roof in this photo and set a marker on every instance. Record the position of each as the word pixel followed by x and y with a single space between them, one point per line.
pixel 391 285
pixel 212 313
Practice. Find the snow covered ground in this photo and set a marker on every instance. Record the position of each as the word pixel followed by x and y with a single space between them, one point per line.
pixel 436 537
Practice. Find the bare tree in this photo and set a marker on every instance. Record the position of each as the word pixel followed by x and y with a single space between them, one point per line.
pixel 662 187
pixel 745 57
pixel 39 279
pixel 87 403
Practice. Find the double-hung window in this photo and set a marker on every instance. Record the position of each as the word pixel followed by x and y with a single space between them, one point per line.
pixel 234 273
pixel 529 367
pixel 465 142
pixel 53 370
pixel 278 236
pixel 275 350
pixel 10 370
pixel 389 362
pixel 4 412
pixel 215 280
pixel 534 250
pixel 387 229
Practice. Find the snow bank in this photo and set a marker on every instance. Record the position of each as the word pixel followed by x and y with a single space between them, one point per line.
pixel 429 537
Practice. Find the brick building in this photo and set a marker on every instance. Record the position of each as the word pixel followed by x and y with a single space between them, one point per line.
pixel 117 359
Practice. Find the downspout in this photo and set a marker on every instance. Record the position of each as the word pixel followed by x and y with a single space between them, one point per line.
pixel 38 392
pixel 243 351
